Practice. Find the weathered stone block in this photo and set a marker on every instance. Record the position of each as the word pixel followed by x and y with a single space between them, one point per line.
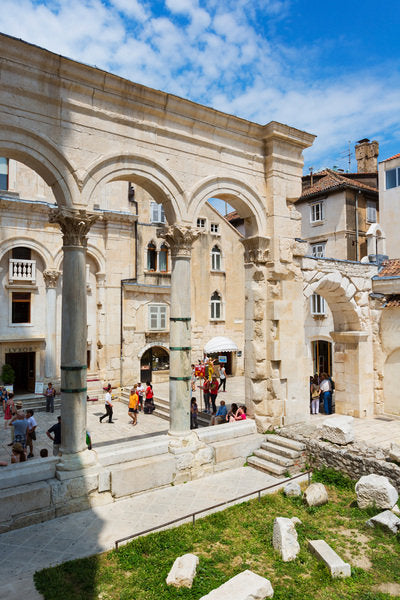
pixel 24 499
pixel 292 489
pixel 284 538
pixel 316 495
pixel 375 490
pixel 244 586
pixel 183 571
pixel 387 520
pixel 140 475
pixel 338 430
pixel 238 447
pixel 335 564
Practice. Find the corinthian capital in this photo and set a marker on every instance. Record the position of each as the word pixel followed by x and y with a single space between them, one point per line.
pixel 51 278
pixel 180 238
pixel 256 249
pixel 75 224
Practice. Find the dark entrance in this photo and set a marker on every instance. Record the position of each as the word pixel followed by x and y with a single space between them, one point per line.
pixel 223 358
pixel 23 364
pixel 154 359
pixel 322 356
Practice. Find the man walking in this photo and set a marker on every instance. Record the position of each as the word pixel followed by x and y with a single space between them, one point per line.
pixel 109 406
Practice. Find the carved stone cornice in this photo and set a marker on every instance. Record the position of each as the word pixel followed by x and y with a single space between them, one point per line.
pixel 180 239
pixel 75 224
pixel 256 250
pixel 51 278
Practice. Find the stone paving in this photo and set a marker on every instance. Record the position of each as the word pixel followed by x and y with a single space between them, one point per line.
pixel 24 551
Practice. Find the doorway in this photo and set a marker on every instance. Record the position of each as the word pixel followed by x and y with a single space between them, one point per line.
pixel 23 364
pixel 322 356
pixel 154 359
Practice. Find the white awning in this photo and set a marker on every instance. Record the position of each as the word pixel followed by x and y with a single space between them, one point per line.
pixel 220 344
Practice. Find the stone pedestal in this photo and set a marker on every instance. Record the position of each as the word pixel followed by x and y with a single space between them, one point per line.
pixel 51 279
pixel 75 226
pixel 180 239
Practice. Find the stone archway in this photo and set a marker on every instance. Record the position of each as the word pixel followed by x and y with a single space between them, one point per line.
pixel 345 287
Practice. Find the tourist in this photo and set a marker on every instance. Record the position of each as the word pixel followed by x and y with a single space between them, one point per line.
pixel 241 413
pixel 230 417
pixel 222 378
pixel 44 453
pixel 220 416
pixel 140 390
pixel 325 388
pixel 314 393
pixel 31 435
pixel 214 393
pixel 20 424
pixel 149 402
pixel 18 453
pixel 133 405
pixel 49 393
pixel 206 396
pixel 194 411
pixel 8 407
pixel 108 405
pixel 56 439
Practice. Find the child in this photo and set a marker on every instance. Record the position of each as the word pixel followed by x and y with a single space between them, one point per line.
pixel 194 411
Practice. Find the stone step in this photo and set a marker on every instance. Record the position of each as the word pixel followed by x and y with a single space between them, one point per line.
pixel 274 458
pixel 286 442
pixel 266 466
pixel 280 450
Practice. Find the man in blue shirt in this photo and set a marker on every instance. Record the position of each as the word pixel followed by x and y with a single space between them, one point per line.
pixel 220 416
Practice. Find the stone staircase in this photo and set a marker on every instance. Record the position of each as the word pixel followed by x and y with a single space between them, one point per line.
pixel 36 402
pixel 278 456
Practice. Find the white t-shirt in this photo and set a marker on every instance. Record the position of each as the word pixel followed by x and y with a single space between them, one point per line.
pixel 108 398
pixel 32 422
pixel 325 386
pixel 140 389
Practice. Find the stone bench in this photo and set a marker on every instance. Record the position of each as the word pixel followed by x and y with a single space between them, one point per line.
pixel 335 564
pixel 244 586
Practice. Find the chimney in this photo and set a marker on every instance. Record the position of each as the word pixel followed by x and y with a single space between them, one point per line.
pixel 367 156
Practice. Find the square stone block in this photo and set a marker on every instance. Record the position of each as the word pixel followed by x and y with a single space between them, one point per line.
pixel 140 475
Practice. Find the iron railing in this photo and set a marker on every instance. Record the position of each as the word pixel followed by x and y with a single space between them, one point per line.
pixel 192 515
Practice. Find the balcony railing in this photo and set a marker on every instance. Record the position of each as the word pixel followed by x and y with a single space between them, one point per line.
pixel 22 270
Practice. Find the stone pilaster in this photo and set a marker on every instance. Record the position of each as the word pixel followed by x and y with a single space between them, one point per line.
pixel 75 225
pixel 51 279
pixel 180 239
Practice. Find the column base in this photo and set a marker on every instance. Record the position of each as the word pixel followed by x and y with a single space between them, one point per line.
pixel 77 461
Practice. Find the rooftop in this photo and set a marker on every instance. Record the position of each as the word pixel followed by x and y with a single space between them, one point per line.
pixel 391 157
pixel 329 180
pixel 390 268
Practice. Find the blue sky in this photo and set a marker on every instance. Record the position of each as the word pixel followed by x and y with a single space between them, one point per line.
pixel 328 67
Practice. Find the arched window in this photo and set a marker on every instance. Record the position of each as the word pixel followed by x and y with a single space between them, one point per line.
pixel 216 306
pixel 163 258
pixel 151 257
pixel 216 259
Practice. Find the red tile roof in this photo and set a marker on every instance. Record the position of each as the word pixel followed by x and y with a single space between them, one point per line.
pixel 390 268
pixel 332 180
pixel 393 301
pixel 391 158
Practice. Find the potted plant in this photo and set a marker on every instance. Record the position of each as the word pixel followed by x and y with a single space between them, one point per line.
pixel 8 377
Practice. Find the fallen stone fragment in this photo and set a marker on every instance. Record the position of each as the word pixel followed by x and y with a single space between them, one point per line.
pixel 316 495
pixel 292 489
pixel 284 538
pixel 244 586
pixel 335 564
pixel 338 430
pixel 296 521
pixel 375 490
pixel 183 571
pixel 387 520
pixel 394 452
pixel 395 509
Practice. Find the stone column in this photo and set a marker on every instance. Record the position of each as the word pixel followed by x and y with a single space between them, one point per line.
pixel 180 239
pixel 50 280
pixel 75 225
pixel 101 319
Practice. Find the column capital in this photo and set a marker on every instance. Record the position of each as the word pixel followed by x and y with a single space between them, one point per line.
pixel 50 278
pixel 257 250
pixel 75 224
pixel 180 239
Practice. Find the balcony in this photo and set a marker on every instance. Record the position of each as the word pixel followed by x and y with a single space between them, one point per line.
pixel 21 270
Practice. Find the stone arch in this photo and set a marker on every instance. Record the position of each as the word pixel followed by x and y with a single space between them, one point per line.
pixel 376 240
pixel 153 345
pixel 144 171
pixel 391 389
pixel 239 195
pixel 41 249
pixel 39 153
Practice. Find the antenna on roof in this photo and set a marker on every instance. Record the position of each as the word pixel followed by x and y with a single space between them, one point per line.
pixel 311 169
pixel 347 154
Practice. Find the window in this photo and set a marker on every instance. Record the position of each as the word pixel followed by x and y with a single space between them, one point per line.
pixel 216 306
pixel 157 317
pixel 151 257
pixel 318 250
pixel 21 253
pixel 317 212
pixel 3 173
pixel 201 223
pixel 157 213
pixel 215 259
pixel 393 178
pixel 371 211
pixel 214 228
pixel 21 307
pixel 317 305
pixel 163 258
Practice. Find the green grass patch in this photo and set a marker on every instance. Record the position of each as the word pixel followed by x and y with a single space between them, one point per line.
pixel 240 538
